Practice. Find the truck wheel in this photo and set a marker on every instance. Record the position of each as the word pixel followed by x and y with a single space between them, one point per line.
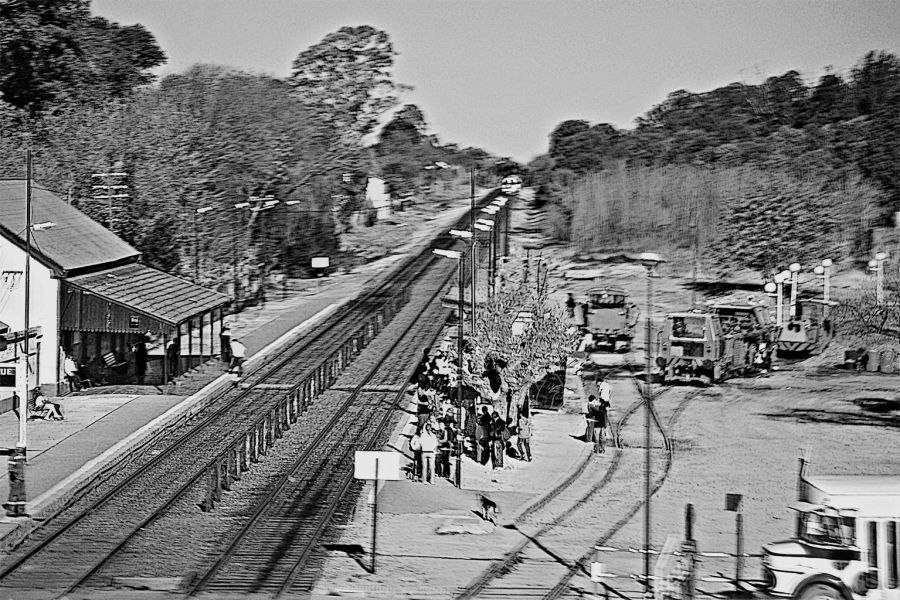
pixel 819 591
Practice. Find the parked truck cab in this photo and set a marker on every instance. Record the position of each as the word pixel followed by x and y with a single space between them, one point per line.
pixel 845 544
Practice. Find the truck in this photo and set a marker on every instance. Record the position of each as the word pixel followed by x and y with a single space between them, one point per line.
pixel 846 541
pixel 611 319
pixel 713 343
pixel 809 331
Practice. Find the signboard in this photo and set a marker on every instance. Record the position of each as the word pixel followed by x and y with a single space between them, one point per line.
pixel 320 262
pixel 7 377
pixel 597 572
pixel 134 322
pixel 388 465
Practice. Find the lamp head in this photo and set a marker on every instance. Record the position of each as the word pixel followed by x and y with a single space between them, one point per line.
pixel 827 262
pixel 447 253
pixel 650 259
pixel 819 270
pixel 795 267
pixel 770 288
pixel 873 264
pixel 880 256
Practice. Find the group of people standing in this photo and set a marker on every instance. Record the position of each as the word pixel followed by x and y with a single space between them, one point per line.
pixel 439 435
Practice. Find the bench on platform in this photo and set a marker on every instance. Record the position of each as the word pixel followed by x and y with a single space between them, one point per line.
pixel 110 360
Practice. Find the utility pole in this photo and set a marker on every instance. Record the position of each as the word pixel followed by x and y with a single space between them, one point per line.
pixel 112 192
pixel 474 254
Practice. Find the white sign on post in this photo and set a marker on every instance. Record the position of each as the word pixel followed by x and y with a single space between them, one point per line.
pixel 319 262
pixel 388 465
pixel 598 572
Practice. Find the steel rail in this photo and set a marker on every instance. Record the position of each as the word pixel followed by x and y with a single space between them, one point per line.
pixel 513 556
pixel 263 506
pixel 210 419
pixel 397 275
pixel 581 565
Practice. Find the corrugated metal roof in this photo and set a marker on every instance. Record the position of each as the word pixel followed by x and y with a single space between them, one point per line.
pixel 74 242
pixel 165 297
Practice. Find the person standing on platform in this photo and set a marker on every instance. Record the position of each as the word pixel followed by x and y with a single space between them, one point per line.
pixel 72 374
pixel 139 350
pixel 523 442
pixel 173 357
pixel 499 436
pixel 483 436
pixel 445 446
pixel 570 306
pixel 238 352
pixel 589 419
pixel 225 344
pixel 600 420
pixel 429 444
pixel 604 390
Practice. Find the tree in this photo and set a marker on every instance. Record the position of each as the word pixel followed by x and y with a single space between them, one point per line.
pixel 346 79
pixel 53 52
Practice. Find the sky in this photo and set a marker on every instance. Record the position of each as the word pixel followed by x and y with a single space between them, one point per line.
pixel 501 74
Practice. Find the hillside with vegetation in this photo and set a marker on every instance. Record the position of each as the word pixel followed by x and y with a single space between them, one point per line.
pixel 749 176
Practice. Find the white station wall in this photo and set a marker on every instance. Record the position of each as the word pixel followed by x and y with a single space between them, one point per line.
pixel 44 304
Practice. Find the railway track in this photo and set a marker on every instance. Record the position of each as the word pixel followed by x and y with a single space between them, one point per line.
pixel 257 560
pixel 81 543
pixel 542 564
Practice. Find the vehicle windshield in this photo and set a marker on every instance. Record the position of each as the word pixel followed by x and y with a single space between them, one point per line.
pixel 607 300
pixel 821 528
pixel 693 328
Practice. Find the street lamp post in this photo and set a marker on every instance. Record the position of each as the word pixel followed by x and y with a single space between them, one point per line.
pixel 265 203
pixel 877 265
pixel 455 255
pixel 491 210
pixel 650 261
pixel 200 211
pixel 235 244
pixel 487 225
pixel 794 269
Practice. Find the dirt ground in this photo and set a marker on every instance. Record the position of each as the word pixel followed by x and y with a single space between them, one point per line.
pixel 743 436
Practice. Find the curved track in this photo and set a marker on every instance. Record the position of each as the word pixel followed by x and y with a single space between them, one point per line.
pixel 542 565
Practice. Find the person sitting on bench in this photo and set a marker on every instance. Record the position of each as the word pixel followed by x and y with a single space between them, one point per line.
pixel 43 408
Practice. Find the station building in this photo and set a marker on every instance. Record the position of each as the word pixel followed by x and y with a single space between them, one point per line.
pixel 91 296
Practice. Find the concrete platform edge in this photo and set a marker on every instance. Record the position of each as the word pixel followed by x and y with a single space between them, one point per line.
pixel 55 499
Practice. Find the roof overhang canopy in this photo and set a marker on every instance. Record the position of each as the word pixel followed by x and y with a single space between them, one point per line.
pixel 138 288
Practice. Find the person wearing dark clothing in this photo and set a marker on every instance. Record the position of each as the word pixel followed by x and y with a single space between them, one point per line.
pixel 421 368
pixel 589 419
pixel 584 313
pixel 492 374
pixel 445 448
pixel 140 359
pixel 600 420
pixel 570 306
pixel 499 435
pixel 225 344
pixel 483 436
pixel 173 354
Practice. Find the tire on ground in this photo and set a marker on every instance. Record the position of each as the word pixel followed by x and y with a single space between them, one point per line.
pixel 819 591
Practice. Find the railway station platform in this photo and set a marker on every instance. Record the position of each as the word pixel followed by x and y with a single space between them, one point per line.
pixel 103 423
pixel 62 455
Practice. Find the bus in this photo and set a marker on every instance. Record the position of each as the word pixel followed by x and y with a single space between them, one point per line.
pixel 845 544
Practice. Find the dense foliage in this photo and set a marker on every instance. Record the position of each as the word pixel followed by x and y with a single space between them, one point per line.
pixel 76 91
pixel 790 170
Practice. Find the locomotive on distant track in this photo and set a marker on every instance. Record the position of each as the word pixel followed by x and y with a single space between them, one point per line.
pixel 511 184
pixel 721 341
